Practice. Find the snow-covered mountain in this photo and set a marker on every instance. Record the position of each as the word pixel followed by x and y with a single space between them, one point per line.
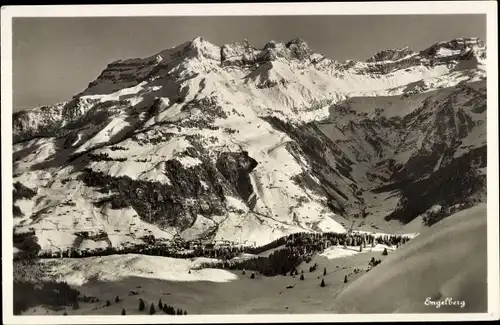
pixel 240 143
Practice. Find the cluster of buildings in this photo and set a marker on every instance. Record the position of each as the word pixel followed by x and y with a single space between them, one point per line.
pixel 217 244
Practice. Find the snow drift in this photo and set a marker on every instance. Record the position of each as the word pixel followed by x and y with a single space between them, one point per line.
pixel 448 260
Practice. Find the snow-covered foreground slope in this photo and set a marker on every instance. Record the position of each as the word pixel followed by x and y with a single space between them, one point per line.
pixel 448 260
pixel 209 294
pixel 246 144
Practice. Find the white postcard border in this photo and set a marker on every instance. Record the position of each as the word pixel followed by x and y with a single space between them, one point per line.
pixel 352 8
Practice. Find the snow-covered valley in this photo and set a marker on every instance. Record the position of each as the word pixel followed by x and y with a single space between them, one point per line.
pixel 396 281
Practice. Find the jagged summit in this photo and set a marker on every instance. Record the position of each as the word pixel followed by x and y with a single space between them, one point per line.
pixel 454 47
pixel 461 42
pixel 391 54
pixel 288 75
pixel 200 47
pixel 243 53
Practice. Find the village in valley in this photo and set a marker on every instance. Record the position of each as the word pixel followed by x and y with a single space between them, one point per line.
pixel 228 253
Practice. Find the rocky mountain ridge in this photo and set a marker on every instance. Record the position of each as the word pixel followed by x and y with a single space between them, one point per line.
pixel 240 143
pixel 199 56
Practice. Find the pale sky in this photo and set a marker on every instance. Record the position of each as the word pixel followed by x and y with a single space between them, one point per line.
pixel 56 58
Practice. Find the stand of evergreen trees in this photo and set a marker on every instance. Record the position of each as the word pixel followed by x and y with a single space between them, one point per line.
pixel 167 309
pixel 22 192
pixel 300 247
pixel 305 243
pixel 281 261
pixel 31 287
pixel 51 293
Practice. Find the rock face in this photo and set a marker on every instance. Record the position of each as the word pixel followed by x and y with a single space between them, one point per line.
pixel 43 121
pixel 391 55
pixel 240 143
pixel 433 156
pixel 244 54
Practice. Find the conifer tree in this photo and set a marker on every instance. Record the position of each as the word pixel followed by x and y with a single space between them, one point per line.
pixel 252 276
pixel 384 252
pixel 324 271
pixel 141 305
pixel 108 303
pixel 160 305
pixel 152 309
pixel 123 312
pixel 322 283
pixel 345 278
pixel 185 312
pixel 65 313
pixel 302 277
pixel 117 299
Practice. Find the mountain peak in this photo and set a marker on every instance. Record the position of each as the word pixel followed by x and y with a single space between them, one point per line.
pixel 443 52
pixel 391 54
pixel 462 41
pixel 202 48
pixel 454 46
pixel 199 41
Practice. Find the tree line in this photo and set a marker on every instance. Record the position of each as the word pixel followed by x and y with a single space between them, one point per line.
pixel 300 247
pixel 167 309
pixel 306 242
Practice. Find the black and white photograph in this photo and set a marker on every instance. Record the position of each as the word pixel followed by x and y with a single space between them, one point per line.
pixel 248 163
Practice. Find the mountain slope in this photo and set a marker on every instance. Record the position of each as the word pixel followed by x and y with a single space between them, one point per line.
pixel 250 144
pixel 397 281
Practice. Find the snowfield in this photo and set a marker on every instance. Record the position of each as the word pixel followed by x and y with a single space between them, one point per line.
pixel 78 272
pixel 340 252
pixel 446 260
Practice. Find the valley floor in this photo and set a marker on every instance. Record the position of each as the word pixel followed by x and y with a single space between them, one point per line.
pixel 446 260
pixel 224 292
